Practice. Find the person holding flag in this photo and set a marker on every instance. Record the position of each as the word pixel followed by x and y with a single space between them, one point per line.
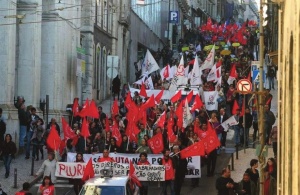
pixel 180 167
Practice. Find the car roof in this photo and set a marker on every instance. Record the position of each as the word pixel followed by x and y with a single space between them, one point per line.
pixel 114 181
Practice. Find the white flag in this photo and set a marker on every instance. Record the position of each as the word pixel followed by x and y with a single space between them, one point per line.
pixel 210 59
pixel 229 122
pixel 166 73
pixel 210 99
pixel 195 77
pixel 179 78
pixel 149 83
pixel 142 80
pixel 212 74
pixel 149 65
pixel 187 116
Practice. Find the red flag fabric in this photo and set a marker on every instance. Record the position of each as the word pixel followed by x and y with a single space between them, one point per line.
pixel 93 110
pixel 75 107
pixel 62 146
pixel 189 96
pixel 196 129
pixel 88 171
pixel 235 107
pixel 132 175
pixel 197 103
pixel 219 63
pixel 115 108
pixel 166 73
pixel 85 132
pixel 156 143
pixel 68 132
pixel 269 101
pixel 143 91
pixel 179 114
pixel 85 109
pixel 159 96
pixel 115 132
pixel 233 72
pixel 211 140
pixel 53 139
pixel 197 149
pixel 171 136
pixel 132 131
pixel 107 126
pixel 176 97
pixel 128 101
pixel 161 120
pixel 149 103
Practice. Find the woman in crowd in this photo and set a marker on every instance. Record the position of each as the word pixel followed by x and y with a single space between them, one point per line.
pixel 78 183
pixel 113 146
pixel 8 151
pixel 270 171
pixel 37 139
pixel 47 187
pixel 253 172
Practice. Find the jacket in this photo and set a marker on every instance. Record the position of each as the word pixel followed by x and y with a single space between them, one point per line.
pixel 8 148
pixel 48 169
pixel 252 186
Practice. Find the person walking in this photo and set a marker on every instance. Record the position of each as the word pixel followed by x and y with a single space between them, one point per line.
pixel 37 139
pixel 48 167
pixel 246 186
pixel 8 150
pixel 270 171
pixel 180 167
pixel 116 84
pixel 47 187
pixel 253 172
pixel 33 118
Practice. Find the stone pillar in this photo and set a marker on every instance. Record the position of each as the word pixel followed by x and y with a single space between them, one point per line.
pixel 87 30
pixel 29 51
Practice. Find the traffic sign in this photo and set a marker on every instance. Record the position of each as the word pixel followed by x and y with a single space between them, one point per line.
pixel 244 86
pixel 113 61
pixel 111 73
pixel 255 77
pixel 173 17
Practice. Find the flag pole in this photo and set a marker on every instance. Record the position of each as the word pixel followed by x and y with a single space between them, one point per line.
pixel 127 143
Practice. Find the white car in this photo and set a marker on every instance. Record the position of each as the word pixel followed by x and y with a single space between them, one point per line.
pixel 108 186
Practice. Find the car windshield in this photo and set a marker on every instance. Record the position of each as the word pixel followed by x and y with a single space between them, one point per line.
pixel 102 190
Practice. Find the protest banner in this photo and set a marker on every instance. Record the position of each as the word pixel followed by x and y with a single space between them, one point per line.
pixel 193 166
pixel 143 172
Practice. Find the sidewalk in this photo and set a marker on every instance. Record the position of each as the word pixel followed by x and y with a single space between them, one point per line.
pixel 23 167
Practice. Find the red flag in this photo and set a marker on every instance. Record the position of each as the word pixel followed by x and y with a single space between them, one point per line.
pixel 159 96
pixel 269 101
pixel 211 140
pixel 85 109
pixel 189 96
pixel 197 103
pixel 176 97
pixel 68 132
pixel 143 91
pixel 53 140
pixel 233 72
pixel 62 147
pixel 197 149
pixel 132 131
pixel 115 132
pixel 149 103
pixel 128 101
pixel 219 63
pixel 107 126
pixel 171 136
pixel 75 107
pixel 88 171
pixel 235 107
pixel 132 175
pixel 179 114
pixel 85 132
pixel 161 120
pixel 156 143
pixel 249 76
pixel 166 71
pixel 93 110
pixel 115 108
pixel 196 129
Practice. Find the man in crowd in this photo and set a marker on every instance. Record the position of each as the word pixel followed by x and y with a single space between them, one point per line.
pixel 269 121
pixel 170 172
pixel 48 167
pixel 180 169
pixel 246 186
pixel 224 184
pixel 106 157
pixel 33 119
pixel 221 118
pixel 53 122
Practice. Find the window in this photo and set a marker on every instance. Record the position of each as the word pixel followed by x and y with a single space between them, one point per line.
pixel 105 16
pixel 99 13
pixel 110 19
pixel 97 71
